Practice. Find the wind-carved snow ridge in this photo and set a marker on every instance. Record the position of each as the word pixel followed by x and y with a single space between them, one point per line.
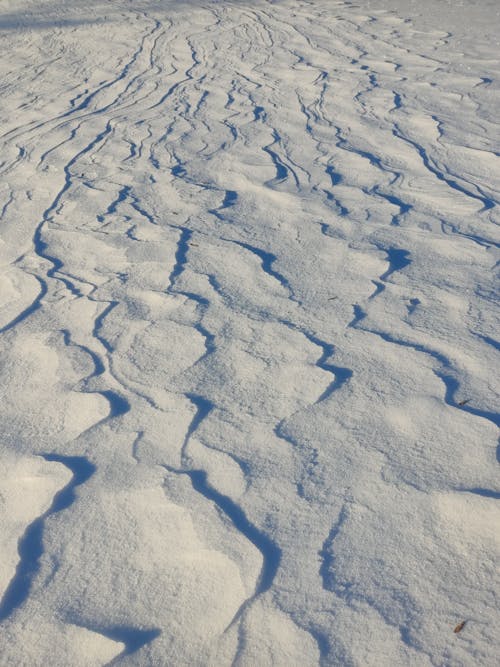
pixel 203 408
pixel 40 245
pixel 271 554
pixel 398 259
pixel 126 194
pixel 118 404
pixel 180 255
pixel 247 279
pixel 445 372
pixel 327 555
pixel 181 259
pixel 268 259
pixel 133 638
pixel 487 202
pixel 85 103
pixel 376 190
pixel 282 170
pixel 449 380
pixel 31 544
pixel 341 375
pixel 490 341
pixel 24 314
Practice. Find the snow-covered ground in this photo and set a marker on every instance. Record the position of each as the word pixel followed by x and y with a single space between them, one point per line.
pixel 247 306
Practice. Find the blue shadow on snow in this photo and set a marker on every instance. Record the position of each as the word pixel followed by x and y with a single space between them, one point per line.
pixel 30 547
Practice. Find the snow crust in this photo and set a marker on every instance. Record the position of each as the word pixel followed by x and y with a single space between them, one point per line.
pixel 249 324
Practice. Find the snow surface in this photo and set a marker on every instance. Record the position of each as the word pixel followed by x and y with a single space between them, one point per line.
pixel 247 305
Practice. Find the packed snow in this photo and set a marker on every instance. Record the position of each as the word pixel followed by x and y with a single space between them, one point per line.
pixel 249 327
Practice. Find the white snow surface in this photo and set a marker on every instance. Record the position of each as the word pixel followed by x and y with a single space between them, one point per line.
pixel 248 333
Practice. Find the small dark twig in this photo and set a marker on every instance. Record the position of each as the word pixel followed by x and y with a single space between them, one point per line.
pixel 459 627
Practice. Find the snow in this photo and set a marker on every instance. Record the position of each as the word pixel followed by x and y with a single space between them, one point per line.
pixel 248 317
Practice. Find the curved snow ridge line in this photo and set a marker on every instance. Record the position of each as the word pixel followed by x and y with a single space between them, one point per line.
pixel 34 126
pixel 118 405
pixel 489 341
pixel 229 196
pixel 282 170
pixel 126 194
pixel 267 260
pixel 439 126
pixel 30 546
pixel 343 144
pixel 345 592
pixel 230 199
pixel 377 161
pixel 5 207
pixel 271 553
pixel 6 168
pixel 348 595
pixel 484 493
pixel 293 166
pixel 327 556
pixel 398 259
pixel 372 85
pixel 33 307
pixel 242 463
pixel 453 229
pixel 98 322
pixel 451 383
pixel 280 432
pixel 341 375
pixel 123 74
pixel 487 203
pixel 188 76
pixel 40 246
pixel 181 259
pixel 73 133
pixel 181 254
pixel 203 407
pixel 132 637
pixel 314 117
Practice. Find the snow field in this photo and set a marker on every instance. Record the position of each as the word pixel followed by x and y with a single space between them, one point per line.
pixel 247 305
